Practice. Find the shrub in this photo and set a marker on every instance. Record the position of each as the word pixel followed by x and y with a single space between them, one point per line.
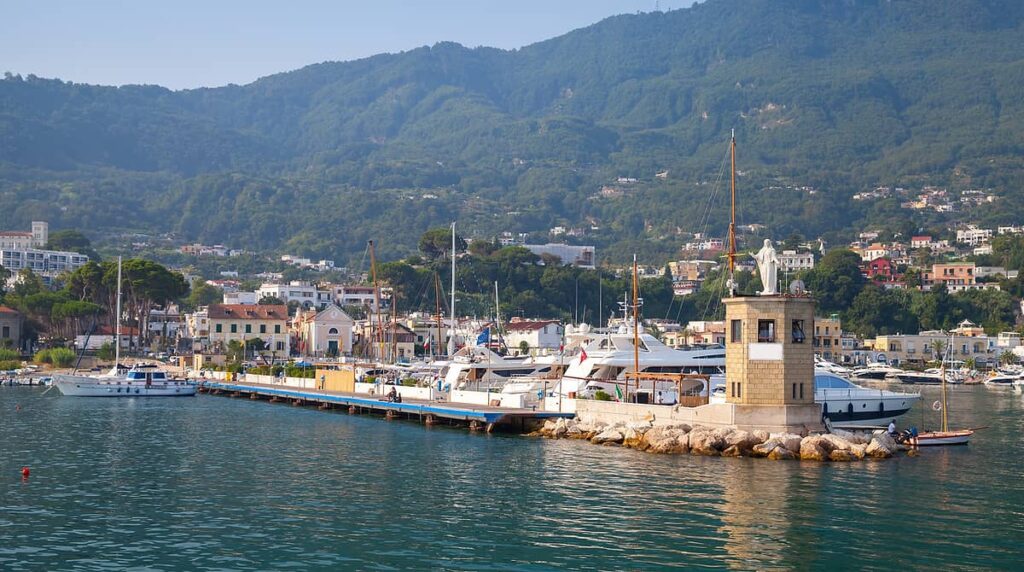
pixel 409 382
pixel 9 355
pixel 62 357
pixel 106 352
pixel 8 365
pixel 602 395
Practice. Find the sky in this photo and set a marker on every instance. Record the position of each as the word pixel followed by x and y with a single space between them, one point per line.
pixel 194 43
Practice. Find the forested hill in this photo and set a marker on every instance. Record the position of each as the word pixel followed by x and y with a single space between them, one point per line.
pixel 839 95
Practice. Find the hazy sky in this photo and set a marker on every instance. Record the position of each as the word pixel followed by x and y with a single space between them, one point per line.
pixel 190 43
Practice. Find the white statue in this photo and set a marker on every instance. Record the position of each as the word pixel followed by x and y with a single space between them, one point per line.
pixel 768 268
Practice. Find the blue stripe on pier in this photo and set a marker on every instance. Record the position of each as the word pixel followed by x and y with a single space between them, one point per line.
pixel 447 410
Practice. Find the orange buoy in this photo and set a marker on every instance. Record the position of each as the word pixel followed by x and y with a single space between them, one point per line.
pixel 25 472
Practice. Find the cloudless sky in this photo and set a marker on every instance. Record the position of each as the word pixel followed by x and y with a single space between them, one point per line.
pixel 191 43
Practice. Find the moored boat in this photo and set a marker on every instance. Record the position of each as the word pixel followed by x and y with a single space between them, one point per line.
pixel 139 381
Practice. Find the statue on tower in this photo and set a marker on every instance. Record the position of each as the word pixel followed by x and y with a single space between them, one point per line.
pixel 768 268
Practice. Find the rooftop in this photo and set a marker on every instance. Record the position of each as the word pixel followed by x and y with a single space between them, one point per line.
pixel 247 312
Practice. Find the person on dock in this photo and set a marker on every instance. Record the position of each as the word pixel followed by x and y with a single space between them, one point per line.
pixel 393 394
pixel 892 428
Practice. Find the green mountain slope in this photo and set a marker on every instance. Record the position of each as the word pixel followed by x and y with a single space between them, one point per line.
pixel 837 95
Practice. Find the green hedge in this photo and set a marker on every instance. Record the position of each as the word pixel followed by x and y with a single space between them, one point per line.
pixel 57 357
pixel 10 364
pixel 9 355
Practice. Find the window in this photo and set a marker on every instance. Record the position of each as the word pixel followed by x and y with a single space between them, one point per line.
pixel 736 329
pixel 766 331
pixel 248 328
pixel 280 346
pixel 794 391
pixel 234 328
pixel 798 332
pixel 263 328
pixel 334 332
pixel 277 329
pixel 219 328
pixel 801 391
pixel 6 332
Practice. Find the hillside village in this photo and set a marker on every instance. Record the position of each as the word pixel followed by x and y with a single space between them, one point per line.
pixel 272 317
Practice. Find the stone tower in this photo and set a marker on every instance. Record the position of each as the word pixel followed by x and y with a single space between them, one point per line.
pixel 40 234
pixel 769 357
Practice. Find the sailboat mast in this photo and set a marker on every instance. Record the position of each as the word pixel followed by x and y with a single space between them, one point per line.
pixel 451 339
pixel 435 347
pixel 732 218
pixel 117 315
pixel 497 314
pixel 942 369
pixel 376 299
pixel 636 328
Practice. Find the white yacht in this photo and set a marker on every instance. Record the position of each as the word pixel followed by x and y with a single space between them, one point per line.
pixel 479 368
pixel 603 365
pixel 139 381
pixel 1004 379
pixel 875 371
pixel 845 403
pixel 917 377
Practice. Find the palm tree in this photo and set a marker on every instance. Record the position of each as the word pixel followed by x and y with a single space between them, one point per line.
pixel 939 347
pixel 970 363
pixel 1007 357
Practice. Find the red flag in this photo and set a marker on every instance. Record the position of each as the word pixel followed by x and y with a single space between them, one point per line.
pixel 583 355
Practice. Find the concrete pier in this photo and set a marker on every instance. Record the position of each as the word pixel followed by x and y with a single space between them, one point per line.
pixel 476 417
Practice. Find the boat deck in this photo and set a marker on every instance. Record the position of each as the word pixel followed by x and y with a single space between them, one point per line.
pixel 423 409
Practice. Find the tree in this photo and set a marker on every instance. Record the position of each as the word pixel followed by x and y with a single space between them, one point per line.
pixel 271 301
pixel 524 347
pixel 939 350
pixel 436 243
pixel 73 241
pixel 1007 357
pixel 836 280
pixel 203 294
pixel 106 351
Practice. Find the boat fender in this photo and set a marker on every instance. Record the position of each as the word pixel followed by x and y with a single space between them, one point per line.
pixel 25 472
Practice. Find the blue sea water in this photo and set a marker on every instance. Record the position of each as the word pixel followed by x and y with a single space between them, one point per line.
pixel 215 483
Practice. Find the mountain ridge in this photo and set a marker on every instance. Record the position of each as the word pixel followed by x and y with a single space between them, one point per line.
pixel 836 95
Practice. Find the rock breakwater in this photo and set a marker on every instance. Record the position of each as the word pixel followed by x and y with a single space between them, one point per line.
pixel 837 446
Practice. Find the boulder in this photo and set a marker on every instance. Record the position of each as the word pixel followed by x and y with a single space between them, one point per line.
pixel 859 450
pixel 760 435
pixel 834 442
pixel 841 455
pixel 811 449
pixel 790 441
pixel 781 454
pixel 703 442
pixel 610 436
pixel 740 439
pixel 765 449
pixel 851 437
pixel 665 440
pixel 732 451
pixel 882 446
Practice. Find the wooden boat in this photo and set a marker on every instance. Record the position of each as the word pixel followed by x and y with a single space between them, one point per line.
pixel 955 437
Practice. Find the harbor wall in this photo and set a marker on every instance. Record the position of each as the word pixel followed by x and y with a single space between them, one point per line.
pixel 798 419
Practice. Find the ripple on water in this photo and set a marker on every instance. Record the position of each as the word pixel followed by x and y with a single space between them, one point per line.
pixel 218 484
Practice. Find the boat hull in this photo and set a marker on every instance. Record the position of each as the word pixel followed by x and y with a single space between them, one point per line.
pixel 934 438
pixel 84 386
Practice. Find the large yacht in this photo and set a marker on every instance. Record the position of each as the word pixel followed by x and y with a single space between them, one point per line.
pixel 845 403
pixel 139 381
pixel 875 371
pixel 479 368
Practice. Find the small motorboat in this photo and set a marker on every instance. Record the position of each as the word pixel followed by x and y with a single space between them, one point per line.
pixel 1004 379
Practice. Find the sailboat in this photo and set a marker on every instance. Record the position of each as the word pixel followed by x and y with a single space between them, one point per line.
pixel 945 436
pixel 138 381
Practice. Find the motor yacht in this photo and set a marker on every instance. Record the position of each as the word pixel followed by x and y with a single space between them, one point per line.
pixel 875 371
pixel 139 381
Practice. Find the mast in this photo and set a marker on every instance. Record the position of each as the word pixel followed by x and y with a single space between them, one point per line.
pixel 376 299
pixel 636 329
pixel 942 370
pixel 434 349
pixel 497 314
pixel 600 295
pixel 451 339
pixel 117 334
pixel 732 218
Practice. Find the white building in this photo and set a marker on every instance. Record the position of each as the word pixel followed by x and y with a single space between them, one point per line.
pixel 15 240
pixel 240 297
pixel 348 295
pixel 582 256
pixel 791 260
pixel 165 323
pixel 974 236
pixel 46 263
pixel 538 334
pixel 295 291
